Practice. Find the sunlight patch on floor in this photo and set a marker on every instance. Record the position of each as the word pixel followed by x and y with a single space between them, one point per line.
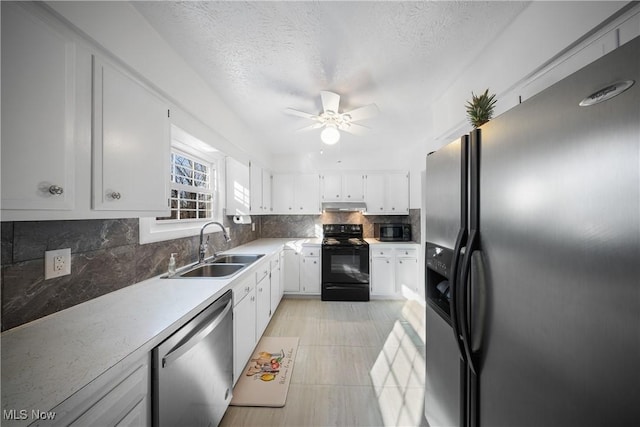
pixel 399 370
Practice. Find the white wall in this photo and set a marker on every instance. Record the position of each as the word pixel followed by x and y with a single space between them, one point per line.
pixel 120 29
pixel 540 33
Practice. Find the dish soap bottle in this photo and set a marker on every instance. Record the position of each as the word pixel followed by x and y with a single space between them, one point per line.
pixel 172 264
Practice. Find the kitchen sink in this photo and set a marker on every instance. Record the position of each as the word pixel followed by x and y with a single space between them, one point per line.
pixel 212 270
pixel 236 259
pixel 223 266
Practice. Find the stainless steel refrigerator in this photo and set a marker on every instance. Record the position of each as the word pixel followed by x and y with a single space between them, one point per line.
pixel 533 259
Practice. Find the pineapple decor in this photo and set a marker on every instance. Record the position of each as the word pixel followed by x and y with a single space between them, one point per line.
pixel 480 108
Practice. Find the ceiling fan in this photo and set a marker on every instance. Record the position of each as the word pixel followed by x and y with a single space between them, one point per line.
pixel 333 121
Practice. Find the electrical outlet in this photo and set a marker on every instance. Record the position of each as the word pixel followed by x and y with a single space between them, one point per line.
pixel 57 263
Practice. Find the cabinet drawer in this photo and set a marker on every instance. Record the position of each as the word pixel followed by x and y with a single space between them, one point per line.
pixel 263 271
pixel 380 252
pixel 311 251
pixel 407 252
pixel 243 288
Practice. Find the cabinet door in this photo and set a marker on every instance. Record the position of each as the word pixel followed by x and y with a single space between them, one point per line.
pixel 291 271
pixel 255 190
pixel 307 194
pixel 131 144
pixel 244 332
pixel 263 307
pixel 407 274
pixel 331 184
pixel 276 286
pixel 266 192
pixel 374 193
pixel 38 113
pixel 310 275
pixel 238 194
pixel 283 193
pixel 397 193
pixel 353 187
pixel 382 277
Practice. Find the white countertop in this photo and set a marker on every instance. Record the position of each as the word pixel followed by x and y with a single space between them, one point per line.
pixel 46 361
pixel 371 241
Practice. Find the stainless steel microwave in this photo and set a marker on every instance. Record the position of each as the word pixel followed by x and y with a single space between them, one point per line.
pixel 392 232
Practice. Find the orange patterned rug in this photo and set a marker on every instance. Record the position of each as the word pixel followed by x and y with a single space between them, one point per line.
pixel 265 380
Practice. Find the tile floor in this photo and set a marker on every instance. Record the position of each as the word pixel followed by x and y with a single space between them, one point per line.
pixel 358 364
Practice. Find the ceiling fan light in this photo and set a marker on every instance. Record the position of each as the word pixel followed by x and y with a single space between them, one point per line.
pixel 330 135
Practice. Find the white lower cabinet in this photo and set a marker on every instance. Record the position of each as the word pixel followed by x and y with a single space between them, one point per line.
pixel 244 323
pixel 394 269
pixel 291 272
pixel 255 299
pixel 381 275
pixel 119 397
pixel 302 272
pixel 263 300
pixel 310 270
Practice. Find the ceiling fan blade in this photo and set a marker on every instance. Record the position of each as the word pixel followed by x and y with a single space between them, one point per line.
pixel 330 101
pixel 300 114
pixel 355 129
pixel 310 127
pixel 362 113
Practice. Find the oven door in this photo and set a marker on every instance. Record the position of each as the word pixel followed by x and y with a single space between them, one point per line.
pixel 345 264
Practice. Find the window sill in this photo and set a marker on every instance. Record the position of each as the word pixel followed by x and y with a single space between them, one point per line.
pixel 153 231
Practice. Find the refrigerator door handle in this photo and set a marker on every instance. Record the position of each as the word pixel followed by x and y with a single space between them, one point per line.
pixel 464 300
pixel 453 280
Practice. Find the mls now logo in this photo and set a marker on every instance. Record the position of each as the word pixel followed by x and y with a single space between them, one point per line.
pixel 23 414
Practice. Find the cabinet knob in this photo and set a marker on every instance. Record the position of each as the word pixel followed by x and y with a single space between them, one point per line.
pixel 247 289
pixel 381 253
pixel 337 195
pixel 393 209
pixel 387 261
pixel 289 207
pixel 315 262
pixel 56 190
pixel 115 195
pixel 380 207
pixel 400 261
pixel 300 207
pixel 253 298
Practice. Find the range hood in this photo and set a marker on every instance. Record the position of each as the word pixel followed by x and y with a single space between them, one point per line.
pixel 344 207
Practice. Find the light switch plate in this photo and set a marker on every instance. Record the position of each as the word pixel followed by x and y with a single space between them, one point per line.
pixel 57 263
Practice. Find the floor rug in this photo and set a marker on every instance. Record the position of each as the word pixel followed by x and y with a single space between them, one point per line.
pixel 265 380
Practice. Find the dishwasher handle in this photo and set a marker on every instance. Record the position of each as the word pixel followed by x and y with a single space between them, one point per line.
pixel 198 336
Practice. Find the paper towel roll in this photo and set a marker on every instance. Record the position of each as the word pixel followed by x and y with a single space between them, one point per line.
pixel 242 219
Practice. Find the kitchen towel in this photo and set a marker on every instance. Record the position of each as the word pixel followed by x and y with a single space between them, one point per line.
pixel 266 377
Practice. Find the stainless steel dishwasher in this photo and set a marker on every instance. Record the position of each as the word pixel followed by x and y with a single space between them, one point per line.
pixel 193 369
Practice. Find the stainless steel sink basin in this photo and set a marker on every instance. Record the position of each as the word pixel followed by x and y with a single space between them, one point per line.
pixel 236 259
pixel 212 270
pixel 223 266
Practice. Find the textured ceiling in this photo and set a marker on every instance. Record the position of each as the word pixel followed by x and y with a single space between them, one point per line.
pixel 262 57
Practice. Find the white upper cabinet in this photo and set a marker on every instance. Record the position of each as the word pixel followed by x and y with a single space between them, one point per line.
pixel 260 189
pixel 344 187
pixel 238 187
pixel 266 192
pixel 131 143
pixel 38 112
pixel 296 193
pixel 387 193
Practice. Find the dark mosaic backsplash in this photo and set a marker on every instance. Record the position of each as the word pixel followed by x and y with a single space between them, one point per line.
pixel 311 225
pixel 106 255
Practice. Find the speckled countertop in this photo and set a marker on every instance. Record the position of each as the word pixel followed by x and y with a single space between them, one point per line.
pixel 46 361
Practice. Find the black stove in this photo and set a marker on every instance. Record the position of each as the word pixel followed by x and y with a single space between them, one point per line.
pixel 345 263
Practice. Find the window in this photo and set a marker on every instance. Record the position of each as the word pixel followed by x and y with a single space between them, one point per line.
pixel 194 177
pixel 192 188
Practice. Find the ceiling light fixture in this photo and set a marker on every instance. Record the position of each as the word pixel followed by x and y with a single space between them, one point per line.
pixel 330 134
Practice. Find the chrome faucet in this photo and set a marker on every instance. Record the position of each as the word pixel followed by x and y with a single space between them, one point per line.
pixel 203 246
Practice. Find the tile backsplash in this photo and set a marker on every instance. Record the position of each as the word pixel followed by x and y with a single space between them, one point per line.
pixel 106 255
